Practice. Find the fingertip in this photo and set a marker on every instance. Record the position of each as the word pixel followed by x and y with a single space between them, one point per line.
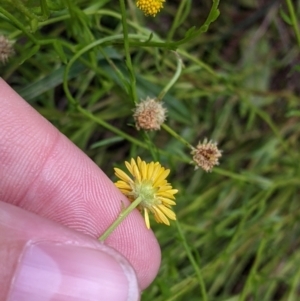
pixel 64 271
pixel 46 174
pixel 42 260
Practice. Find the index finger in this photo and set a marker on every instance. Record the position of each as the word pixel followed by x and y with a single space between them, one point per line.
pixel 43 172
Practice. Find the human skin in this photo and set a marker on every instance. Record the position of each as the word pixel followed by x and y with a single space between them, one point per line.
pixel 43 173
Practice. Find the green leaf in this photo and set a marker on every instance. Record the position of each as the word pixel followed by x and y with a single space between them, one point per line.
pixel 49 82
pixel 28 53
pixel 34 25
pixel 55 78
pixel 285 17
pixel 60 51
pixel 55 4
pixel 214 16
pixel 107 141
pixel 190 32
pixel 293 113
pixel 296 68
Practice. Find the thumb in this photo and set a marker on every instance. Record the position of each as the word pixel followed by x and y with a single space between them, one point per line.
pixel 42 260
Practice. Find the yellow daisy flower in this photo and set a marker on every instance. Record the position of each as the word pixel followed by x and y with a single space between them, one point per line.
pixel 150 7
pixel 149 183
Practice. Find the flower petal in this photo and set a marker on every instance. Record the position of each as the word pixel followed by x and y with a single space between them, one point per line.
pixel 161 177
pixel 168 212
pixel 129 167
pixel 146 216
pixel 122 175
pixel 137 173
pixel 123 185
pixel 150 170
pixel 161 215
pixel 164 187
pixel 166 201
pixel 144 170
pixel 166 194
pixel 139 161
pixel 157 170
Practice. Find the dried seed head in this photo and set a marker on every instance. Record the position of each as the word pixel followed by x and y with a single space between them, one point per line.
pixel 6 49
pixel 149 115
pixel 206 155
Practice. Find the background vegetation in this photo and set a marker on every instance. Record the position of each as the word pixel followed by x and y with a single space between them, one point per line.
pixel 238 231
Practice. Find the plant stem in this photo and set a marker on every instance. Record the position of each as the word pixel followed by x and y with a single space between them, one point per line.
pixel 76 104
pixel 124 213
pixel 110 127
pixel 174 78
pixel 127 52
pixel 177 20
pixel 193 262
pixel 294 20
pixel 252 276
pixel 19 25
pixel 198 62
pixel 175 135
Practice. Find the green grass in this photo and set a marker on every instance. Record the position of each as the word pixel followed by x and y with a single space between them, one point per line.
pixel 237 236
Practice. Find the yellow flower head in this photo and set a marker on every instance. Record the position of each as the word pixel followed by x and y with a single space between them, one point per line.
pixel 148 181
pixel 150 7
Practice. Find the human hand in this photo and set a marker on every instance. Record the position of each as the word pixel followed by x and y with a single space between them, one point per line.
pixel 54 204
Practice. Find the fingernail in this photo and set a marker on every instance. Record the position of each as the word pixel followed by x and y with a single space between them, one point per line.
pixel 50 271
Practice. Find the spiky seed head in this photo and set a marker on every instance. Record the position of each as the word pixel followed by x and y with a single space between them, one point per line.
pixel 149 114
pixel 206 155
pixel 6 49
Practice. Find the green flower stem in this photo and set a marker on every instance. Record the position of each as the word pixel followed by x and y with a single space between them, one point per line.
pixel 146 43
pixel 266 117
pixel 76 104
pixel 294 291
pixel 199 63
pixel 124 213
pixel 44 9
pixel 177 20
pixel 127 52
pixel 253 273
pixel 174 78
pixel 294 20
pixel 212 16
pixel 110 127
pixel 86 49
pixel 193 262
pixel 19 5
pixel 26 31
pixel 19 25
pixel 175 135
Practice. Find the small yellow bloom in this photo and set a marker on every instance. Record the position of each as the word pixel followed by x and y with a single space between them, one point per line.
pixel 150 7
pixel 148 181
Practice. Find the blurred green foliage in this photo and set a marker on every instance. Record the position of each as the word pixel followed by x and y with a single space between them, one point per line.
pixel 239 86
